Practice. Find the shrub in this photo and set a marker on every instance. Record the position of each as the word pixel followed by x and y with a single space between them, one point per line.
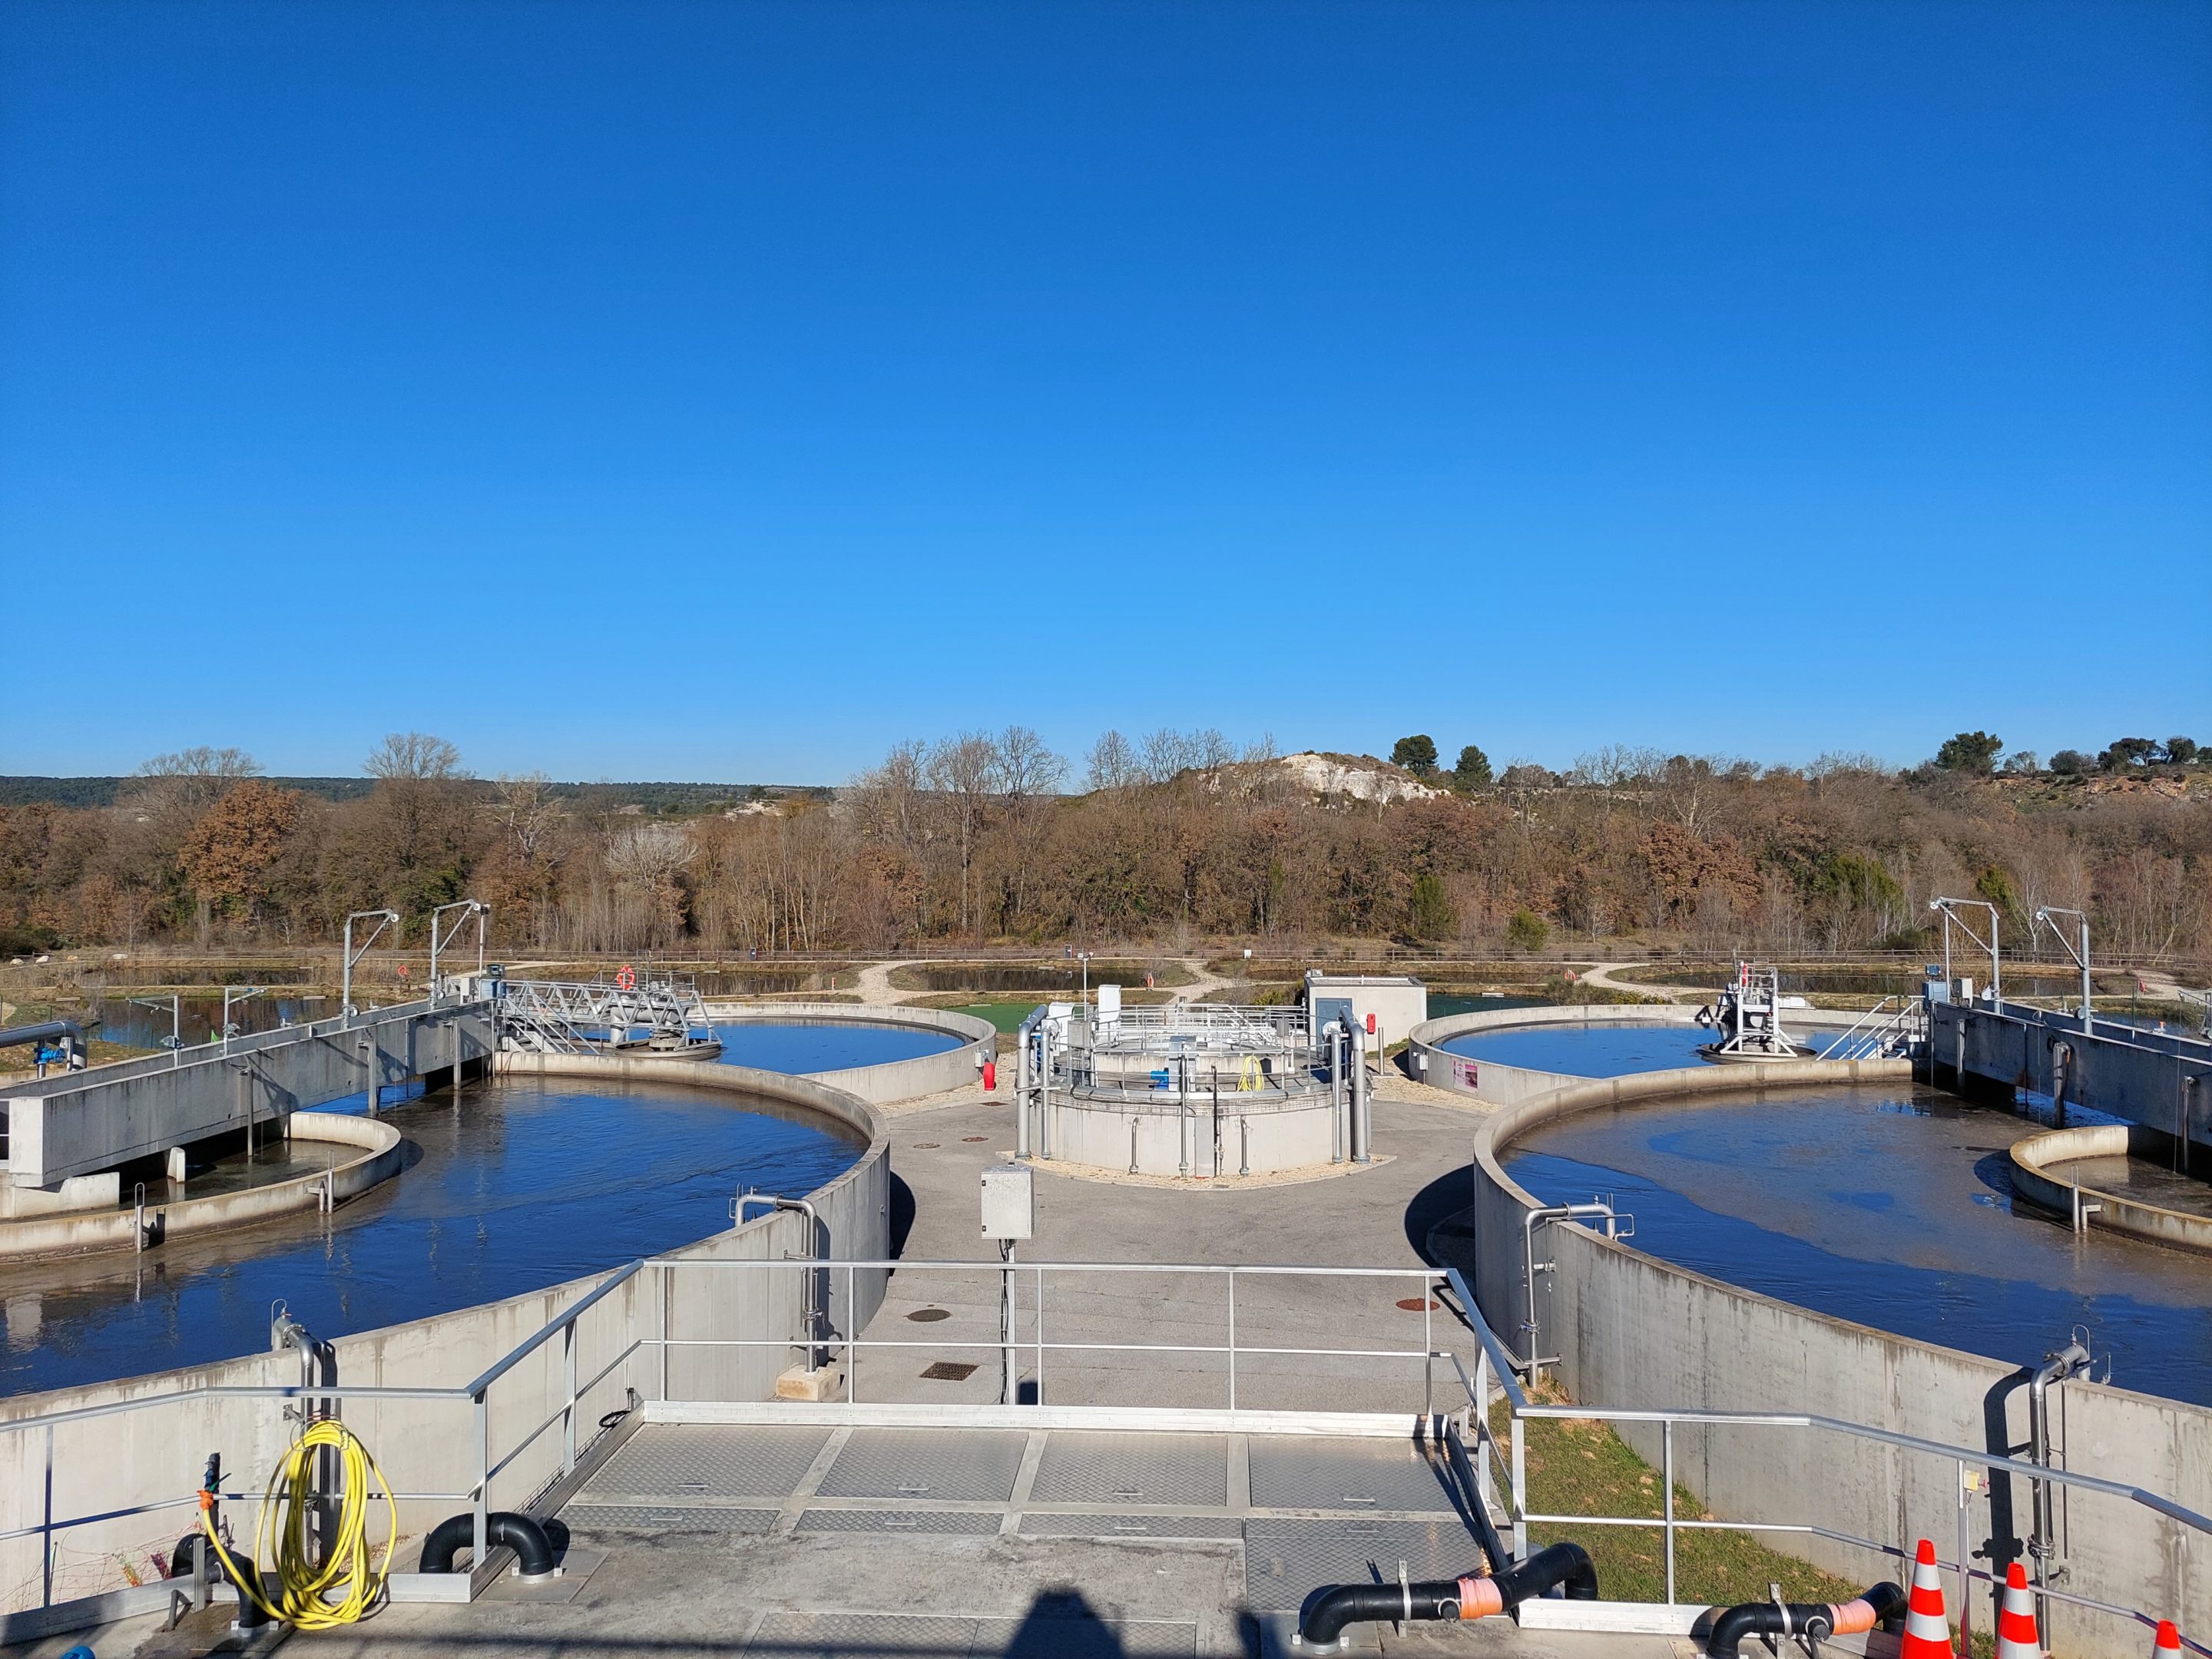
pixel 1527 931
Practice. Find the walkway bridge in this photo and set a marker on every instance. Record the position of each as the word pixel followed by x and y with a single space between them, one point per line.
pixel 556 1017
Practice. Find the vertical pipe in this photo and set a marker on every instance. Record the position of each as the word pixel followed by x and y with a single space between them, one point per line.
pixel 47 1530
pixel 1183 1139
pixel 664 1330
pixel 1667 1478
pixel 1244 1144
pixel 1336 1099
pixel 1428 1352
pixel 1021 1097
pixel 1044 1091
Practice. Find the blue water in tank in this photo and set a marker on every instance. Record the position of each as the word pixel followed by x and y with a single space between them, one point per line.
pixel 1887 1206
pixel 797 1048
pixel 516 1185
pixel 1586 1050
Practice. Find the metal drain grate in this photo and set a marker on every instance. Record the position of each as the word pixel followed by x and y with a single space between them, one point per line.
pixel 663 1518
pixel 953 1521
pixel 948 1371
pixel 1132 1526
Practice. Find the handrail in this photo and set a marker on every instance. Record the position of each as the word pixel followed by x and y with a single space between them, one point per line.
pixel 1894 1016
pixel 568 1316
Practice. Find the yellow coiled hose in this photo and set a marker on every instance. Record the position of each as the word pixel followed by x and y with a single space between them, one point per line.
pixel 305 1599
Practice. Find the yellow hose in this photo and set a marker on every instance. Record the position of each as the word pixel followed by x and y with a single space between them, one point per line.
pixel 305 1597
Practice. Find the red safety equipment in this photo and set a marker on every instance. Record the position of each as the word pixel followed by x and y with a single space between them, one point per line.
pixel 1927 1632
pixel 2016 1638
pixel 626 978
pixel 1370 1025
pixel 2169 1638
pixel 990 1076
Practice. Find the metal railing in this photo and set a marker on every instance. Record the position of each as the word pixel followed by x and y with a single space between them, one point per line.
pixel 1495 1378
pixel 565 1018
pixel 1892 1026
pixel 1037 1343
pixel 476 1394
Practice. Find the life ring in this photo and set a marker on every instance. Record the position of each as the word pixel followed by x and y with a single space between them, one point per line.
pixel 626 980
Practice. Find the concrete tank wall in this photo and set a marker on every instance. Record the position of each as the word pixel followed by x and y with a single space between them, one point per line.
pixel 2160 1080
pixel 1264 1139
pixel 1632 1331
pixel 154 1455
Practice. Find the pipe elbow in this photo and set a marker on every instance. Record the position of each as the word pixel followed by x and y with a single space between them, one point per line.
pixel 533 1550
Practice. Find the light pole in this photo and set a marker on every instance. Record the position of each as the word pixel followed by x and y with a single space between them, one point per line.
pixel 232 994
pixel 384 919
pixel 1084 956
pixel 1949 908
pixel 467 908
pixel 175 1045
pixel 2043 919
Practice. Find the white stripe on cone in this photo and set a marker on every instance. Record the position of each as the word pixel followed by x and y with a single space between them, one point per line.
pixel 2016 1638
pixel 1927 1633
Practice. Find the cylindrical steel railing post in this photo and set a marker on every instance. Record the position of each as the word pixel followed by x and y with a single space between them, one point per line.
pixel 483 1542
pixel 1520 1491
pixel 664 1268
pixel 1667 1480
pixel 569 1412
pixel 852 1337
pixel 1039 1271
pixel 47 1530
pixel 1232 1339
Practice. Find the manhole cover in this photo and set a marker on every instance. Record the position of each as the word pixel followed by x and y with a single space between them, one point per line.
pixel 928 1316
pixel 924 1146
pixel 948 1370
pixel 974 1138
pixel 1418 1304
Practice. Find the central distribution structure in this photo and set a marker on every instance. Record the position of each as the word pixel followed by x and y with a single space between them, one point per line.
pixel 1193 1091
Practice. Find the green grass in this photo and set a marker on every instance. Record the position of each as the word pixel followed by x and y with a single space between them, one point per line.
pixel 1582 1468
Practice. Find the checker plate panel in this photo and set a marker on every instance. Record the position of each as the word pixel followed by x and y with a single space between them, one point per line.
pixel 1133 1469
pixel 1285 1560
pixel 684 1459
pixel 942 1464
pixel 1290 1473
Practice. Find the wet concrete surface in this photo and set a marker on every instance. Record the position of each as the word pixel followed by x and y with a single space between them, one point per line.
pixel 1889 1206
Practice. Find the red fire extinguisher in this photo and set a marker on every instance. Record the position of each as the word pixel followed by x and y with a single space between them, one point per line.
pixel 990 1077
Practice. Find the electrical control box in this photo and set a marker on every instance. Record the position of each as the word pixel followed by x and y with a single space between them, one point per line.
pixel 1009 1202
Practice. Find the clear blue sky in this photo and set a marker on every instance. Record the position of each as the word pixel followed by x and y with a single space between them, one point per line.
pixel 723 392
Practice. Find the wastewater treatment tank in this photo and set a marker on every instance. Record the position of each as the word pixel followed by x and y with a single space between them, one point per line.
pixel 1596 1048
pixel 516 1184
pixel 801 1047
pixel 1890 1205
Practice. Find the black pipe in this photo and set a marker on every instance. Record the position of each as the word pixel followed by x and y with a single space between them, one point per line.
pixel 1485 1530
pixel 519 1533
pixel 1329 1611
pixel 185 1563
pixel 1882 1604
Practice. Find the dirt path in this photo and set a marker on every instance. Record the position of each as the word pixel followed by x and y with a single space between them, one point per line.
pixel 1602 976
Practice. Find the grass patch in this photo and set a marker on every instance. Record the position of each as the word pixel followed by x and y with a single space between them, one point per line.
pixel 1582 1468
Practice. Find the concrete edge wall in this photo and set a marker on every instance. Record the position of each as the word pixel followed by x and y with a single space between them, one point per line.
pixel 1629 1330
pixel 2114 1211
pixel 82 1232
pixel 156 1453
pixel 1427 1061
pixel 895 1079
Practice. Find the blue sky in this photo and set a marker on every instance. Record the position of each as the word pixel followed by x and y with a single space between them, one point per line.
pixel 725 391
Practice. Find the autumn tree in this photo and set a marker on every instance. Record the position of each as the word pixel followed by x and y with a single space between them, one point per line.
pixel 229 852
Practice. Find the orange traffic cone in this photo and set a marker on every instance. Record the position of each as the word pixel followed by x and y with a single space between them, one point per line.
pixel 1927 1633
pixel 2016 1638
pixel 2169 1638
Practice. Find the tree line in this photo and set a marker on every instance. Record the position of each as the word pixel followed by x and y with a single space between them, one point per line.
pixel 1173 838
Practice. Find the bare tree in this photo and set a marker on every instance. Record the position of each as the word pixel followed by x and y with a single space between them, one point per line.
pixel 1025 766
pixel 963 768
pixel 415 756
pixel 1113 763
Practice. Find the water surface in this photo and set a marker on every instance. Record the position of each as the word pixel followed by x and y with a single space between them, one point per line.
pixel 799 1049
pixel 1890 1207
pixel 519 1184
pixel 1595 1050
